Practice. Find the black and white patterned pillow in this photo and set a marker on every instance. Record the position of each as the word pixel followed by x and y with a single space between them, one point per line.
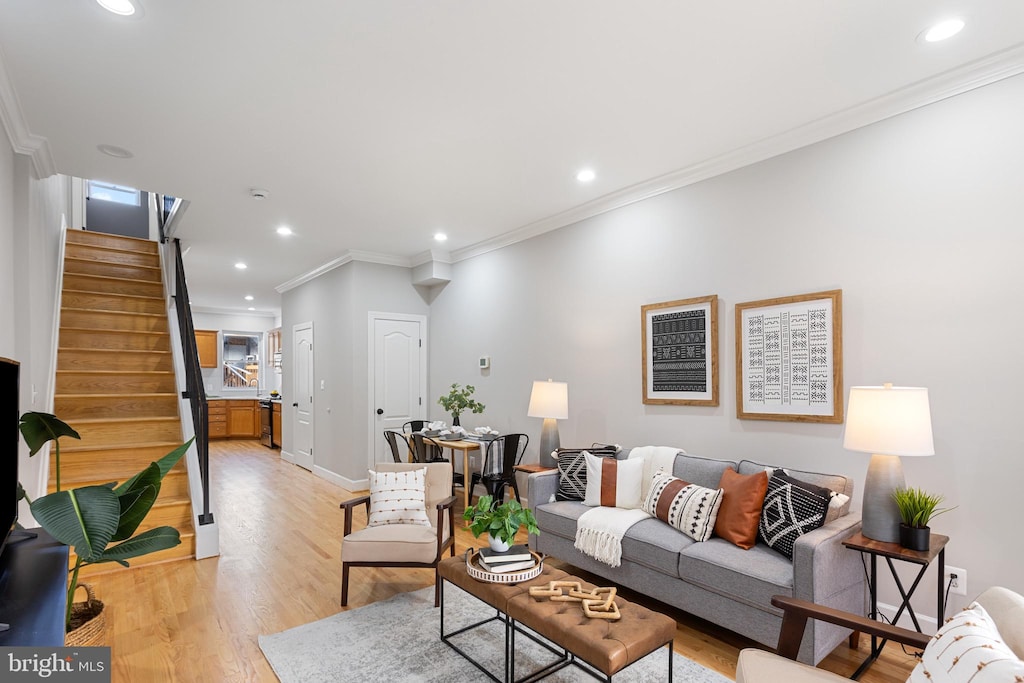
pixel 791 509
pixel 572 470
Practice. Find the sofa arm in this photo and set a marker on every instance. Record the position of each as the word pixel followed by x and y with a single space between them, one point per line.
pixel 823 566
pixel 540 487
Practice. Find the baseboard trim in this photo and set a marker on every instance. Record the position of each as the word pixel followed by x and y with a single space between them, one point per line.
pixel 287 457
pixel 929 624
pixel 343 482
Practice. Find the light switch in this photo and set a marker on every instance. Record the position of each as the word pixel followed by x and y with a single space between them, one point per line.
pixel 323 384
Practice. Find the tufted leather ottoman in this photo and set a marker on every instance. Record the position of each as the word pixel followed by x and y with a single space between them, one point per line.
pixel 607 646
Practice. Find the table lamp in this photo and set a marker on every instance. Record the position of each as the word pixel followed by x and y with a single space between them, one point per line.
pixel 549 400
pixel 887 422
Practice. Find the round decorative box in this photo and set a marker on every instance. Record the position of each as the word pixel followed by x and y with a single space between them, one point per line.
pixel 478 572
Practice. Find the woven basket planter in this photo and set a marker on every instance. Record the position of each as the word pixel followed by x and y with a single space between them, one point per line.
pixel 88 627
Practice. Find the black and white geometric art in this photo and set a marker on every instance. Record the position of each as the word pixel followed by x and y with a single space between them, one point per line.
pixel 680 351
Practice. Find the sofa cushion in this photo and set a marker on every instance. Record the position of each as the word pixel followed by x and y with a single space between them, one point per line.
pixel 706 472
pixel 613 483
pixel 650 543
pixel 791 509
pixel 968 647
pixel 748 576
pixel 572 470
pixel 688 507
pixel 740 512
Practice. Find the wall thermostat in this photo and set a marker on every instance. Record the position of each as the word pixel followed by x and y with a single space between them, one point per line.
pixel 485 362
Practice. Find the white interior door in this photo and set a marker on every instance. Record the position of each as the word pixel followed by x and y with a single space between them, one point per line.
pixel 397 359
pixel 302 403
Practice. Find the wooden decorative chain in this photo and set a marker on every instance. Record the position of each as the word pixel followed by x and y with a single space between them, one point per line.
pixel 597 604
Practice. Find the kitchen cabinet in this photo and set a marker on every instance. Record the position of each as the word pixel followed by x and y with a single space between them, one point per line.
pixel 217 416
pixel 206 344
pixel 276 417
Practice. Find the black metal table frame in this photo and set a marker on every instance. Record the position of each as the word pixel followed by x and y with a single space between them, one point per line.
pixel 877 643
pixel 565 658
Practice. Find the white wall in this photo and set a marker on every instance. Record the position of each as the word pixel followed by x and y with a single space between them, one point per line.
pixel 916 219
pixel 338 303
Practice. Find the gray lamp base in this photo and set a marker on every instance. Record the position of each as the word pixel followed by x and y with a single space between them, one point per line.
pixel 549 442
pixel 880 517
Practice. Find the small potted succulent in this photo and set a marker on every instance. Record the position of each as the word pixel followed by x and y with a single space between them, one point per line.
pixel 917 507
pixel 458 400
pixel 501 522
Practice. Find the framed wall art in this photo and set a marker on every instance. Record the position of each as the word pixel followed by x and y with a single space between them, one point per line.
pixel 680 352
pixel 789 358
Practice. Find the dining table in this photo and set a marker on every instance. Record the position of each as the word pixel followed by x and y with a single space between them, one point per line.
pixel 464 445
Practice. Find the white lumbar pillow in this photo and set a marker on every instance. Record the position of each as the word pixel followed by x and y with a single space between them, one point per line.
pixel 613 483
pixel 398 498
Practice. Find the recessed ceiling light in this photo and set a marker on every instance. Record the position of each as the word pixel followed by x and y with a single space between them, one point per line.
pixel 440 236
pixel 241 266
pixel 252 308
pixel 284 230
pixel 258 194
pixel 123 7
pixel 248 297
pixel 115 151
pixel 586 175
pixel 943 29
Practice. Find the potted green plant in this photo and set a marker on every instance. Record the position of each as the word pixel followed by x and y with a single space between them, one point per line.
pixel 501 522
pixel 97 521
pixel 458 400
pixel 917 507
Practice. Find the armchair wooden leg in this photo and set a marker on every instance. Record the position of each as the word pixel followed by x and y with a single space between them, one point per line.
pixel 344 584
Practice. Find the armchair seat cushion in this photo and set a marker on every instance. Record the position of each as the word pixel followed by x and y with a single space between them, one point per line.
pixel 758 666
pixel 391 543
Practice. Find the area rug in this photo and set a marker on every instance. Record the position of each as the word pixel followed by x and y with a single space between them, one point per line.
pixel 398 640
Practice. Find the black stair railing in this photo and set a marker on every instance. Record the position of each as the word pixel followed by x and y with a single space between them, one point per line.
pixel 194 389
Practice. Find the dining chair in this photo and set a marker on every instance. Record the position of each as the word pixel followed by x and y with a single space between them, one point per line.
pixel 425 449
pixel 414 426
pixel 502 455
pixel 397 452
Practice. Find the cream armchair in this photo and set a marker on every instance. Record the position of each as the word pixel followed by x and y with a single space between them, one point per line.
pixel 403 545
pixel 1005 608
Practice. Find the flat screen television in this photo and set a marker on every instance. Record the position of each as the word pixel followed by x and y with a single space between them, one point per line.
pixel 10 438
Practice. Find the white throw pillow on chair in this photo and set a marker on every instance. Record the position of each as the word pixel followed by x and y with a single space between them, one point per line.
pixel 398 498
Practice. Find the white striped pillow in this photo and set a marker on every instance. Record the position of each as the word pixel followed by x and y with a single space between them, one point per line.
pixel 690 508
pixel 398 498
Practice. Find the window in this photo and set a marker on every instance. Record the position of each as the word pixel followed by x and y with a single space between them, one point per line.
pixel 109 192
pixel 241 360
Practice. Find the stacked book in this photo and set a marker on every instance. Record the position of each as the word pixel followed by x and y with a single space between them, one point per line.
pixel 516 558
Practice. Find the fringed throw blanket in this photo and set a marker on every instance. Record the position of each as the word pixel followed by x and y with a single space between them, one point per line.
pixel 599 532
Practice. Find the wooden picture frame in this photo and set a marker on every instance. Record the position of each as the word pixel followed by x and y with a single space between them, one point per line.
pixel 789 358
pixel 680 352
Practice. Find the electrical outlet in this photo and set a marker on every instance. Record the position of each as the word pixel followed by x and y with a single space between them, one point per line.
pixel 958 577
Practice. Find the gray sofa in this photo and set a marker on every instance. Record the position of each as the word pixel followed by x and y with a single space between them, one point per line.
pixel 716 580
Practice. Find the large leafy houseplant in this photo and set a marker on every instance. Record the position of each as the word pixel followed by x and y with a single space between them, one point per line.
pixel 500 521
pixel 458 400
pixel 91 518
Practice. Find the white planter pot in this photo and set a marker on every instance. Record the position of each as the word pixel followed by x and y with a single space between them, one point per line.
pixel 498 545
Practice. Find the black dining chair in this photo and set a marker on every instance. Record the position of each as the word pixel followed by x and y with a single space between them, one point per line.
pixel 502 455
pixel 398 452
pixel 414 426
pixel 425 449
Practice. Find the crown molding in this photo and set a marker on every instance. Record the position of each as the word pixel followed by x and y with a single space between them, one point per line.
pixel 348 257
pixel 981 72
pixel 13 119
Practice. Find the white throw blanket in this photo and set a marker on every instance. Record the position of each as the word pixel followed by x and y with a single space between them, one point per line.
pixel 599 532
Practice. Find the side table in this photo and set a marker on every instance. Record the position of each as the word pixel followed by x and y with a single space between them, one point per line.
pixel 894 551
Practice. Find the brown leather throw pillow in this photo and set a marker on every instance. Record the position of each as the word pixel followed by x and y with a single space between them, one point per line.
pixel 740 511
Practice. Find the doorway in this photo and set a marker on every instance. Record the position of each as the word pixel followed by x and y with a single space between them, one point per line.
pixel 302 405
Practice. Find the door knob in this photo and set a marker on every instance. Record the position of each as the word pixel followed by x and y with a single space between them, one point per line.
pixel 380 411
pixel 295 405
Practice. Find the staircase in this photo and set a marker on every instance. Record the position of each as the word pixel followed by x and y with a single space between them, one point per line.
pixel 115 378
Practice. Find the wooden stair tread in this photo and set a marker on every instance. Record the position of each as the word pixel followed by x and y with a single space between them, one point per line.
pixel 71 448
pixel 106 331
pixel 116 394
pixel 119 420
pixel 133 265
pixel 118 351
pixel 109 277
pixel 103 311
pixel 117 294
pixel 118 372
pixel 93 236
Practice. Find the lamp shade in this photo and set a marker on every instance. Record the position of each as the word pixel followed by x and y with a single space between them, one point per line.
pixel 889 420
pixel 549 400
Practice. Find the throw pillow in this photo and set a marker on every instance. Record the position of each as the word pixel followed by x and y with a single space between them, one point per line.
pixel 398 498
pixel 740 511
pixel 613 483
pixel 791 509
pixel 690 508
pixel 572 470
pixel 968 648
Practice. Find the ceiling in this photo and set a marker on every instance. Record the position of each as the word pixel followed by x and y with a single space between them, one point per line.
pixel 374 125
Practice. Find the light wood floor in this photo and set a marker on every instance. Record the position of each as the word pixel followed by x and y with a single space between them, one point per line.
pixel 279 567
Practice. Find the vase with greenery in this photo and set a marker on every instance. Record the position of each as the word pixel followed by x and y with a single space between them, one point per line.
pixel 458 400
pixel 501 522
pixel 98 522
pixel 917 507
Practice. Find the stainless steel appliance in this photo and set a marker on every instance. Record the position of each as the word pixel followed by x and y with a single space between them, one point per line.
pixel 266 423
